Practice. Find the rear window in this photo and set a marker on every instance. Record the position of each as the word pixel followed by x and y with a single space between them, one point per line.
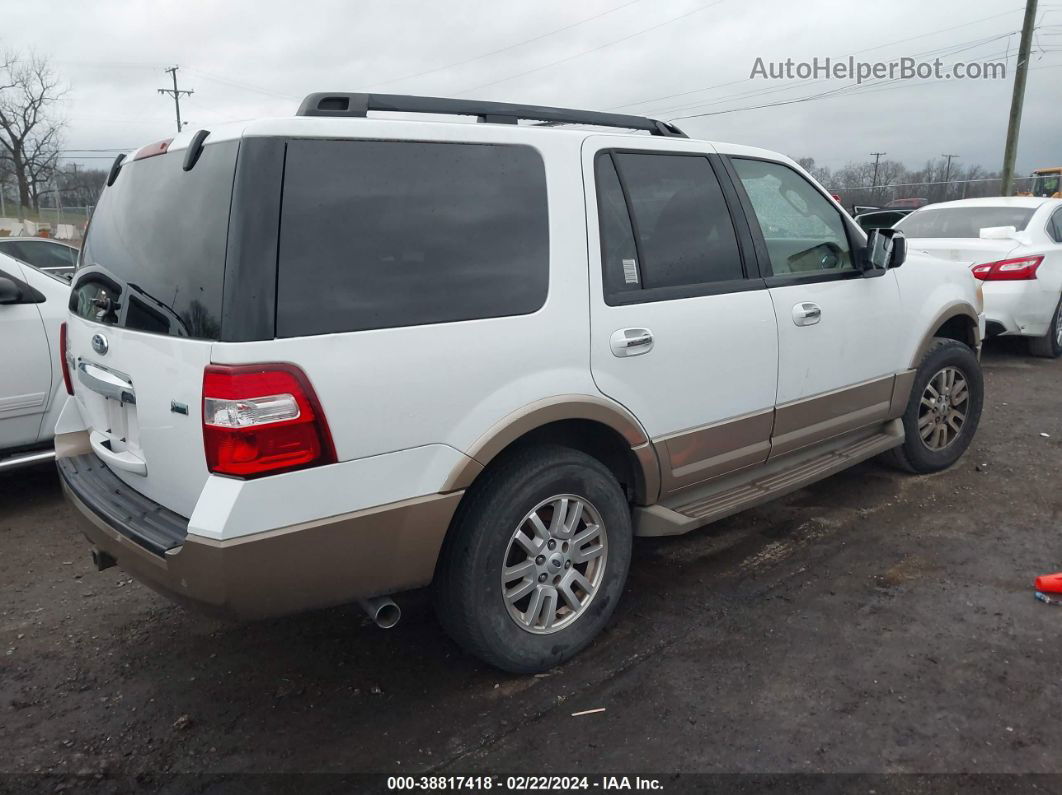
pixel 963 221
pixel 380 234
pixel 157 241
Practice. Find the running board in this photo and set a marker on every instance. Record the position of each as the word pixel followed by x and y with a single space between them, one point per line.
pixel 696 507
pixel 28 458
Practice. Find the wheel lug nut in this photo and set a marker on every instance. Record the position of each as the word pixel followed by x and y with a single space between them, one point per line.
pixel 552 544
pixel 542 578
pixel 567 564
pixel 540 559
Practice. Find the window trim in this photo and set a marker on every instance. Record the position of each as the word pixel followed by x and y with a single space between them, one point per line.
pixel 750 279
pixel 853 234
pixel 1054 225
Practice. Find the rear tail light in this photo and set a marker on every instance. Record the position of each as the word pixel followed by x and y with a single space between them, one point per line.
pixel 262 419
pixel 64 359
pixel 1008 270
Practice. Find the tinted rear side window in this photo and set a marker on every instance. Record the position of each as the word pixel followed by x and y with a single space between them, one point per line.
pixel 684 231
pixel 158 238
pixel 379 234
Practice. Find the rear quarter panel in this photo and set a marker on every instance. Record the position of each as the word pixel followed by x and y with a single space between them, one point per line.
pixel 419 387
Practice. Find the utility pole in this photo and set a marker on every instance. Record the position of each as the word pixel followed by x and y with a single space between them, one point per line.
pixel 58 202
pixel 1018 97
pixel 176 94
pixel 947 174
pixel 877 157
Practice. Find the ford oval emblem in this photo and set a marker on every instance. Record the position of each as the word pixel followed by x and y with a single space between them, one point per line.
pixel 99 344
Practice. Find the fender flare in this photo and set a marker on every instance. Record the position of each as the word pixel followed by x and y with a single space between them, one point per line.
pixel 543 412
pixel 953 310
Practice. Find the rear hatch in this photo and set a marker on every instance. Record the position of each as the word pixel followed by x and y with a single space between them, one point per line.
pixel 145 306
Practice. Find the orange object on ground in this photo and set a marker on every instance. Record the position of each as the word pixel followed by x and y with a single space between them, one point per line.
pixel 1051 583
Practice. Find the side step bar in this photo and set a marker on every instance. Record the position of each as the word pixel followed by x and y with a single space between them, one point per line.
pixel 28 458
pixel 698 506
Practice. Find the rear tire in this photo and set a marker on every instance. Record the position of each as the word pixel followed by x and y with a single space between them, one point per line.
pixel 943 411
pixel 1049 345
pixel 524 594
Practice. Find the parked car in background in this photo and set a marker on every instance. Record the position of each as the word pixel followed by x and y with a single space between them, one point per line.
pixel 50 256
pixel 880 219
pixel 906 204
pixel 32 307
pixel 332 357
pixel 1014 246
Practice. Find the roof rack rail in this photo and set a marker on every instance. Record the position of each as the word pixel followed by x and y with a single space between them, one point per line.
pixel 344 104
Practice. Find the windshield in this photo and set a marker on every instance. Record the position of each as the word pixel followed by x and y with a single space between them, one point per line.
pixel 1046 185
pixel 154 256
pixel 963 221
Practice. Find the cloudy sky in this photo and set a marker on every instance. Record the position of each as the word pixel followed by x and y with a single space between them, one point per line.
pixel 666 58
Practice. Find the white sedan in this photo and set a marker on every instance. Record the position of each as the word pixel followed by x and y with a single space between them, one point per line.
pixel 33 304
pixel 1014 246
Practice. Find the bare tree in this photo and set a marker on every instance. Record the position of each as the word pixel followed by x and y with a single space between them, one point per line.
pixel 29 134
pixel 821 174
pixel 81 186
pixel 42 162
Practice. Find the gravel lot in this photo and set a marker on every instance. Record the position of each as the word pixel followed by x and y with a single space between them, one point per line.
pixel 874 622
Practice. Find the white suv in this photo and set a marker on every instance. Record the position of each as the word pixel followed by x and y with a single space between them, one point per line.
pixel 330 358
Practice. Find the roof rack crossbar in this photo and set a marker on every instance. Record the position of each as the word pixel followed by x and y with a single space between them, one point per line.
pixel 353 105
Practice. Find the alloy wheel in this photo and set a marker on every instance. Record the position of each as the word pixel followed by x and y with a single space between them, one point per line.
pixel 554 563
pixel 943 410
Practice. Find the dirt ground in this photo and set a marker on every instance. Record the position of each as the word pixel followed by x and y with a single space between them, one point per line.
pixel 875 622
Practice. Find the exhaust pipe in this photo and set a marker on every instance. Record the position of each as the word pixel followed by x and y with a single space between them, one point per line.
pixel 382 610
pixel 102 560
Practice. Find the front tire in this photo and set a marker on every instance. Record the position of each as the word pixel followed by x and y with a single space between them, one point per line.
pixel 1049 345
pixel 536 560
pixel 943 411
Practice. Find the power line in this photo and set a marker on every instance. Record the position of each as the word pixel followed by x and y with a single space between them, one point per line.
pixel 593 49
pixel 110 149
pixel 504 49
pixel 950 49
pixel 240 84
pixel 794 85
pixel 857 52
pixel 850 88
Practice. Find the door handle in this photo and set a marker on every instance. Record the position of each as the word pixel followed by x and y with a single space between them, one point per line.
pixel 631 342
pixel 806 314
pixel 106 382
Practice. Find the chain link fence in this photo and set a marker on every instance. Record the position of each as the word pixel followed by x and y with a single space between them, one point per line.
pixel 940 191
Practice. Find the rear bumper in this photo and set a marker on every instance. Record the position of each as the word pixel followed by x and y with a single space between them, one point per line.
pixel 318 564
pixel 1019 307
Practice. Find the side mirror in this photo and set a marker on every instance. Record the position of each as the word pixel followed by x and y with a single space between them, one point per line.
pixel 16 291
pixel 10 293
pixel 886 248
